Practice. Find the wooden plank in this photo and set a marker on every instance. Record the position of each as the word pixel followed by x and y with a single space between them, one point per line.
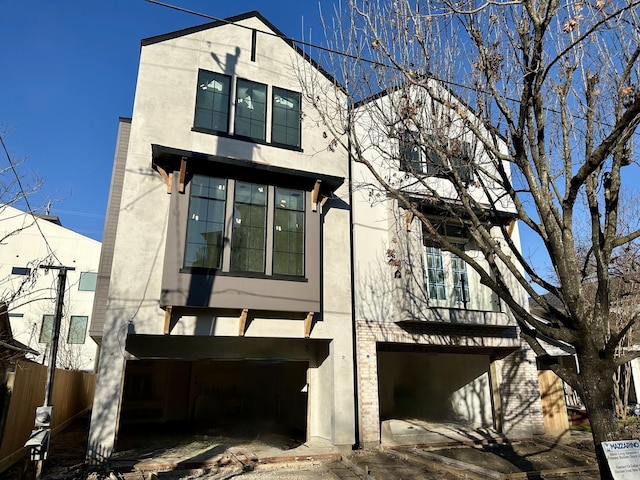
pixel 308 323
pixel 166 177
pixel 554 409
pixel 183 174
pixel 315 195
pixel 243 322
pixel 408 216
pixel 167 320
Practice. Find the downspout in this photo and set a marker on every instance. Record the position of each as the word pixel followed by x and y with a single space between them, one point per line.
pixel 354 332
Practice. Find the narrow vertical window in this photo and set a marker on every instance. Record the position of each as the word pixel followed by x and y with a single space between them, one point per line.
pixel 46 330
pixel 285 126
pixel 248 238
pixel 434 162
pixel 435 272
pixel 251 99
pixel 288 235
pixel 77 329
pixel 205 225
pixel 409 153
pixel 460 279
pixel 462 159
pixel 212 101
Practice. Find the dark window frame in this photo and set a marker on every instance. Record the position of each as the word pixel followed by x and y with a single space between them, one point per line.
pixel 216 106
pixel 247 108
pixel 292 126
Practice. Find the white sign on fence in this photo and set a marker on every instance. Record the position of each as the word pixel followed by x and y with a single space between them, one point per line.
pixel 623 458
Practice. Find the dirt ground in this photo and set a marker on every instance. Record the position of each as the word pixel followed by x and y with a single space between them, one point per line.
pixel 66 461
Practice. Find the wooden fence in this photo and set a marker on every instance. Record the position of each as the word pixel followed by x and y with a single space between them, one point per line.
pixel 72 395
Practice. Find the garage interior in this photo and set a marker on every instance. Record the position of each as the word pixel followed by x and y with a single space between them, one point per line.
pixel 228 397
pixel 434 386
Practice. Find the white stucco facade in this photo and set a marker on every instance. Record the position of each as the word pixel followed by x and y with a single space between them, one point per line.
pixel 151 311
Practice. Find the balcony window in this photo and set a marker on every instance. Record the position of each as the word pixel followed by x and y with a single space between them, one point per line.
pixel 288 232
pixel 205 224
pixel 249 228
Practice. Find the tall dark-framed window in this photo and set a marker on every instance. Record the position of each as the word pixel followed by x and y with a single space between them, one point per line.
pixel 462 159
pixel 410 158
pixel 205 224
pixel 248 238
pixel 212 101
pixel 46 329
pixel 77 329
pixel 434 161
pixel 285 121
pixel 288 232
pixel 251 102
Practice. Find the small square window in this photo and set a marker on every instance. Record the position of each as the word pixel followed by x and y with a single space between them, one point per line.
pixel 20 271
pixel 88 282
pixel 77 329
pixel 46 330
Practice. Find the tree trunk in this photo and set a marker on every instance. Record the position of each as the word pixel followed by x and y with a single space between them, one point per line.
pixel 598 396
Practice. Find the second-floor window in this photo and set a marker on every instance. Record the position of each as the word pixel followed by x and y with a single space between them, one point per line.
pixel 212 101
pixel 446 274
pixel 251 111
pixel 261 228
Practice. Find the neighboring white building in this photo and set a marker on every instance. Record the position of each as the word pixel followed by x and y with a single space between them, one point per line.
pixel 432 343
pixel 224 289
pixel 29 242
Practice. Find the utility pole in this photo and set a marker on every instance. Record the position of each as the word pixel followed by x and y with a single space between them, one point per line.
pixel 38 441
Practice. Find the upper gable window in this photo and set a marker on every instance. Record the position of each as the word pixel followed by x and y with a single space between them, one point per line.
pixel 285 122
pixel 414 160
pixel 251 100
pixel 212 101
pixel 88 281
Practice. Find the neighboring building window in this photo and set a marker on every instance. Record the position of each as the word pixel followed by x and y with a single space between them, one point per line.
pixel 248 238
pixel 46 329
pixel 20 271
pixel 288 232
pixel 212 101
pixel 77 329
pixel 205 226
pixel 251 99
pixel 410 159
pixel 88 281
pixel 285 123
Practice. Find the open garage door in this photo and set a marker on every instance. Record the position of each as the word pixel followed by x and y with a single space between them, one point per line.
pixel 435 387
pixel 232 396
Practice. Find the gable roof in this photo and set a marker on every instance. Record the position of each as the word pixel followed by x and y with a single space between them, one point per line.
pixel 233 21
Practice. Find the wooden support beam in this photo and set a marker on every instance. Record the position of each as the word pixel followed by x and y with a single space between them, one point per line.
pixel 183 174
pixel 315 194
pixel 166 176
pixel 511 227
pixel 308 323
pixel 167 319
pixel 408 217
pixel 243 322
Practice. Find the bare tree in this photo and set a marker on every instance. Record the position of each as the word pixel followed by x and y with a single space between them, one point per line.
pixel 523 106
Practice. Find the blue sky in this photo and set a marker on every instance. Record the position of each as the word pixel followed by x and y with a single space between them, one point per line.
pixel 69 70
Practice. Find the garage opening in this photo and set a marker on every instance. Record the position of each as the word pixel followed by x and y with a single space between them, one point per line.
pixel 435 387
pixel 234 397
